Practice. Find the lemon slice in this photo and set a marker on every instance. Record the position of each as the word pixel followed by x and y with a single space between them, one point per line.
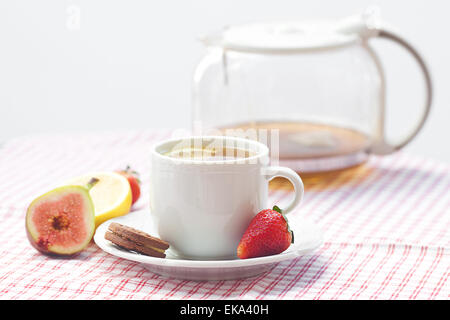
pixel 111 195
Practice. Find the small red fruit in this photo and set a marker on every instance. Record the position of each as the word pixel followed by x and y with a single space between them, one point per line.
pixel 267 234
pixel 135 183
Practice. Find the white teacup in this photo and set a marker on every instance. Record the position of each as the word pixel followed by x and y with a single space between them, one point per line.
pixel 202 206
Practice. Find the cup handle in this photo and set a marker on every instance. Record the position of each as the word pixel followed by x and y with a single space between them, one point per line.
pixel 293 177
pixel 383 147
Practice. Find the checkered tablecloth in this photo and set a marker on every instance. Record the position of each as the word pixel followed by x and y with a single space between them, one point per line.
pixel 386 227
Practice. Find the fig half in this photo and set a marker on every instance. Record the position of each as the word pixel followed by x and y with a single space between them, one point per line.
pixel 62 221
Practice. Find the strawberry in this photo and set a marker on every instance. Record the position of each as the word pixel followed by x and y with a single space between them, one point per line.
pixel 133 180
pixel 268 233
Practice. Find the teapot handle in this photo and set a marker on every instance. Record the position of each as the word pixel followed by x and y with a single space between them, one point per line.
pixel 383 147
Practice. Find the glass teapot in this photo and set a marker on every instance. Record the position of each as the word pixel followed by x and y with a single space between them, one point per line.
pixel 313 91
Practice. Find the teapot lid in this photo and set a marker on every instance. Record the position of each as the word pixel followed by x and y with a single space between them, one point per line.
pixel 293 36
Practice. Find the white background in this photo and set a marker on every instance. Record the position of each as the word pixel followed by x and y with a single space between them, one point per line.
pixel 128 63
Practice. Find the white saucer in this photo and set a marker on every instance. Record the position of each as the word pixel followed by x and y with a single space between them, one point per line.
pixel 308 237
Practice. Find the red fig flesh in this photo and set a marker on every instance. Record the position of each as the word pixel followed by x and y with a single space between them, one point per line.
pixel 62 221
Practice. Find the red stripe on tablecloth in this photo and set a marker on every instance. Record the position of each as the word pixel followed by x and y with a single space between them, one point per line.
pixel 123 282
pixel 117 289
pixel 321 270
pixel 373 199
pixel 420 199
pixel 316 200
pixel 194 290
pixel 88 271
pixel 237 283
pixel 63 288
pixel 426 276
pixel 374 273
pixel 156 288
pixel 47 286
pixel 304 269
pixel 338 272
pixel 436 218
pixel 31 272
pixel 357 271
pixel 141 284
pixel 279 278
pixel 411 185
pixel 213 290
pixel 393 271
pixel 409 274
pixel 102 284
pixel 440 283
pixel 175 289
pixel 27 262
pixel 247 289
pixel 351 204
pixel 10 229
